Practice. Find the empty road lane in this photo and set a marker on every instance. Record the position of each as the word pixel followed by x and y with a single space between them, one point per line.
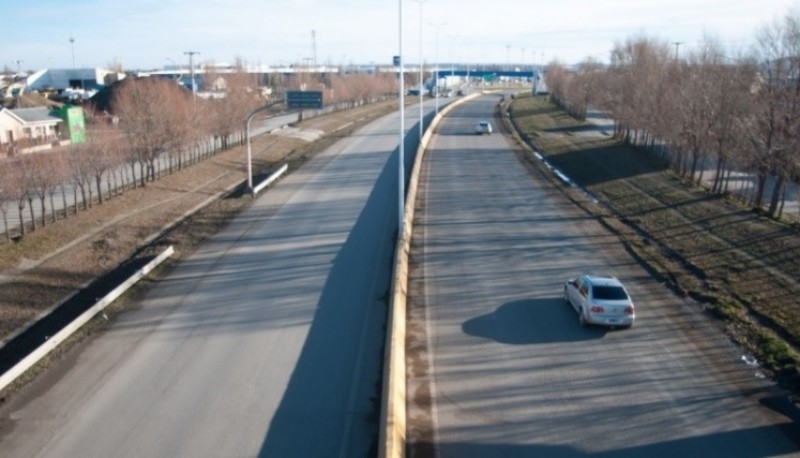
pixel 498 363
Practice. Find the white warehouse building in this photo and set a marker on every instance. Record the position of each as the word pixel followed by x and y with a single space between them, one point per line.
pixel 78 78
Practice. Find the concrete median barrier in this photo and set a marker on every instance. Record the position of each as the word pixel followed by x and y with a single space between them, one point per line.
pixel 393 409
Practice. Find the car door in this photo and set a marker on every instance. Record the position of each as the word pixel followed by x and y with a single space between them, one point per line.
pixel 573 291
pixel 582 294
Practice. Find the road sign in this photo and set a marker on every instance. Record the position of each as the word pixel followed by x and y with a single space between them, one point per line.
pixel 304 99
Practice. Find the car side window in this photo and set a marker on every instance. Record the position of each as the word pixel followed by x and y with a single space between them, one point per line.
pixel 583 288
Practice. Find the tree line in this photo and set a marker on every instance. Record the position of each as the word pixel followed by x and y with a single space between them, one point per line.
pixel 153 127
pixel 703 108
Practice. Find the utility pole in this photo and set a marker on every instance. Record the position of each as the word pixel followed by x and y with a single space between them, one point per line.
pixel 72 45
pixel 19 66
pixel 191 55
pixel 314 46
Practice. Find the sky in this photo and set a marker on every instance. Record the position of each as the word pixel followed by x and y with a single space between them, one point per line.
pixel 152 34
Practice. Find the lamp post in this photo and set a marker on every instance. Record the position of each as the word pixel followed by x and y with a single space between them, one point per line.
pixel 249 157
pixel 401 156
pixel 452 58
pixel 436 66
pixel 421 74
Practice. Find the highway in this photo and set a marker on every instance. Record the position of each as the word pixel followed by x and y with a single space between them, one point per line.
pixel 268 341
pixel 498 364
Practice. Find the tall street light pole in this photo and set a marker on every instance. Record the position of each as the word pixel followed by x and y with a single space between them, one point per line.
pixel 421 74
pixel 401 182
pixel 436 66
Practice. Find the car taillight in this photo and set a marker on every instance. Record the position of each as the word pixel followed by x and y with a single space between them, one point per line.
pixel 596 309
pixel 629 310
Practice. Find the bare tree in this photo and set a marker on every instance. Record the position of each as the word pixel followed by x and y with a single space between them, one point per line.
pixel 26 169
pixel 46 173
pixel 100 155
pixel 6 194
pixel 17 189
pixel 79 159
pixel 772 127
pixel 239 98
pixel 141 105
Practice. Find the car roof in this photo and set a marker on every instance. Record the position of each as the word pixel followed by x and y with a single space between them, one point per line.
pixel 600 280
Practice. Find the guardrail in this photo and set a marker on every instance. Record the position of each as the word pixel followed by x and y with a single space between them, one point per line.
pixel 270 179
pixel 392 441
pixel 35 356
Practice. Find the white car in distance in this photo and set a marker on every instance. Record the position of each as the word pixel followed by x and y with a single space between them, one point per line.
pixel 600 300
pixel 483 127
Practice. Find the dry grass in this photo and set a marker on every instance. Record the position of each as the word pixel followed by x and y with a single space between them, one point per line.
pixel 741 266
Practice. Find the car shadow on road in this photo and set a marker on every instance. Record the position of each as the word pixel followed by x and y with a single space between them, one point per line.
pixel 532 321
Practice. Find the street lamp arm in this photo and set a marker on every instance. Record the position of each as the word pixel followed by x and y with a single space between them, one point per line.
pixel 247 134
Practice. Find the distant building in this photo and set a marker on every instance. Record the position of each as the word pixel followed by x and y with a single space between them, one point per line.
pixel 78 78
pixel 27 130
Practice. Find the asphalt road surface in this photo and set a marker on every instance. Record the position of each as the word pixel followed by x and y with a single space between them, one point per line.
pixel 266 342
pixel 498 364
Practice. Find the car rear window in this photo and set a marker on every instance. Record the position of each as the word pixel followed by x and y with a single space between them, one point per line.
pixel 609 293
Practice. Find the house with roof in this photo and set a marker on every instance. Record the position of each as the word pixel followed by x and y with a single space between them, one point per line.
pixel 25 128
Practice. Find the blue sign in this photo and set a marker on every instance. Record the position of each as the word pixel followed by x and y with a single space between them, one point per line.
pixel 304 99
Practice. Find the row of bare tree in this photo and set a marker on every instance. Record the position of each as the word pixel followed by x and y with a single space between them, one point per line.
pixel 737 114
pixel 154 127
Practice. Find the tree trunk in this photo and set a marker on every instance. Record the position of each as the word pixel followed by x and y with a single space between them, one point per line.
pixel 64 200
pixel 42 200
pixel 133 174
pixel 142 174
pixel 777 191
pixel 53 206
pixel 758 198
pixel 21 210
pixel 83 198
pixel 90 192
pixel 98 179
pixel 717 187
pixel 33 214
pixel 5 225
pixel 693 170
